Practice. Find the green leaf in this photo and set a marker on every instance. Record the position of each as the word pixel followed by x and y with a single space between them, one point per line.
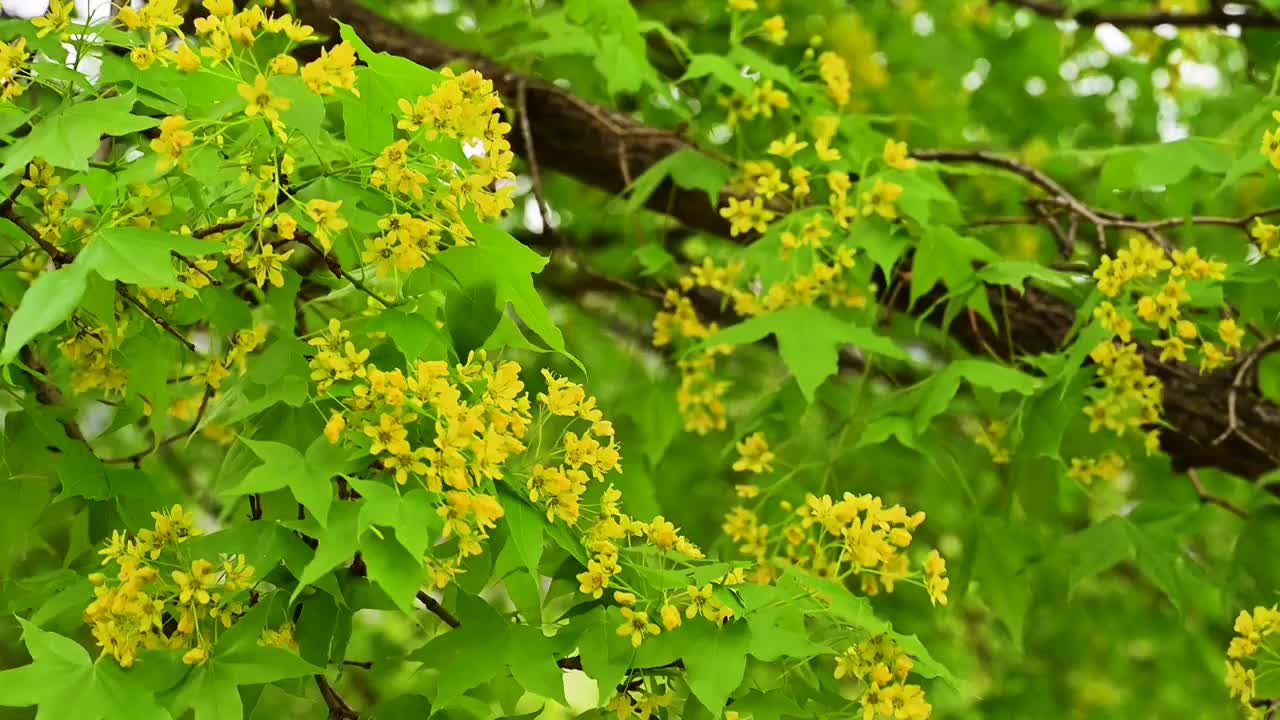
pixel 837 600
pixel 942 388
pixel 49 301
pixel 688 169
pixel 1255 553
pixel 500 261
pixel 1162 560
pixel 1000 566
pixel 715 659
pixel 309 478
pixel 525 526
pixel 1095 549
pixel 65 684
pixel 702 64
pixel 808 341
pixel 211 692
pixel 943 255
pixel 336 543
pixel 67 137
pixel 140 256
pixel 394 569
pixel 1015 272
pixel 475 646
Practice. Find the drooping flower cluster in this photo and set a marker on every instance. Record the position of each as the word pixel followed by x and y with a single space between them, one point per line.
pixel 1252 632
pixel 161 597
pixel 1128 398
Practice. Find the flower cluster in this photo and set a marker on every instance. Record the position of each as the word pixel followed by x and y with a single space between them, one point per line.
pixel 162 598
pixel 854 537
pixel 990 436
pixel 1128 397
pixel 1252 630
pixel 13 74
pixel 883 667
pixel 1107 468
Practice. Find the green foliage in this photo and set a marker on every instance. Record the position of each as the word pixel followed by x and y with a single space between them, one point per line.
pixel 305 415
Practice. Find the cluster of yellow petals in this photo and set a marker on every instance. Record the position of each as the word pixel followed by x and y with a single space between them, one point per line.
pixel 1107 468
pixel 1252 630
pixel 854 537
pixel 13 59
pixel 143 606
pixel 1128 397
pixel 883 667
pixel 990 436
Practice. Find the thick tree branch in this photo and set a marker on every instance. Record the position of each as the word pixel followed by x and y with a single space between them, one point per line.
pixel 1218 15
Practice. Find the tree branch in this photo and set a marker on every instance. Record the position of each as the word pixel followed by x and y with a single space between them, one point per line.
pixel 1219 15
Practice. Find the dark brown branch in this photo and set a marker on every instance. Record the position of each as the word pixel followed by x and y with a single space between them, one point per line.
pixel 338 707
pixel 1216 16
pixel 219 228
pixel 439 610
pixel 163 324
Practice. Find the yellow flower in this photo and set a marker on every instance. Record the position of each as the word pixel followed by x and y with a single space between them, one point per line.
pixel 220 8
pixel 936 582
pixel 333 429
pixel 670 617
pixel 194 586
pixel 174 138
pixel 1230 333
pixel 835 73
pixel 286 226
pixel 776 29
pixel 637 626
pixel 195 656
pixel 896 156
pixel 188 60
pixel 283 64
pixel 880 199
pixel 57 19
pixel 334 68
pixel 754 454
pixel 745 216
pixel 266 266
pixel 328 221
pixel 742 5
pixel 260 99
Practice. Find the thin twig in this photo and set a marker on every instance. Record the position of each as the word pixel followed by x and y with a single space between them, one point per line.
pixel 1208 498
pixel 335 267
pixel 137 457
pixel 439 610
pixel 159 321
pixel 1245 378
pixel 192 264
pixel 531 157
